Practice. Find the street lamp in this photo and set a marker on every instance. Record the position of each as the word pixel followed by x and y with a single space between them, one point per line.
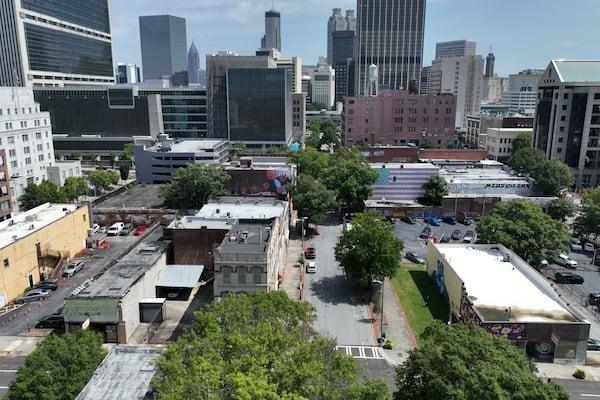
pixel 303 248
pixel 381 334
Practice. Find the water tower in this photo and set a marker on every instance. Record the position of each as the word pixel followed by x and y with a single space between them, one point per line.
pixel 372 88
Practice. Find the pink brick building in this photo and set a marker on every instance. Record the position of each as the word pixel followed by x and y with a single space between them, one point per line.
pixel 398 118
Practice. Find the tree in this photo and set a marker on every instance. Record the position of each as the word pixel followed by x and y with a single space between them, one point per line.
pixel 522 141
pixel 561 209
pixel 527 161
pixel 236 147
pixel 100 179
pixel 310 161
pixel 314 140
pixel 128 152
pixel 58 368
pixel 350 177
pixel 428 144
pixel 193 185
pixel 311 198
pixel 35 195
pixel 588 221
pixel 124 168
pixel 458 362
pixel 74 156
pixel 369 250
pixel 522 226
pixel 316 106
pixel 553 178
pixel 74 187
pixel 435 190
pixel 328 136
pixel 259 346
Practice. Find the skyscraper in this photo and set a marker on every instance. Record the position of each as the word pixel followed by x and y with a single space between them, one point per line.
pixel 389 35
pixel 455 48
pixel 193 64
pixel 55 43
pixel 272 38
pixel 163 41
pixel 337 23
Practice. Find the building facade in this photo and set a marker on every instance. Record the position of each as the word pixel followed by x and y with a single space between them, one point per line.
pixel 323 86
pixel 521 96
pixel 163 42
pixel 567 117
pixel 272 37
pixel 398 118
pixel 193 65
pixel 6 207
pixel 61 170
pixel 478 125
pixel 389 34
pixel 54 43
pixel 338 23
pixel 455 48
pixel 498 141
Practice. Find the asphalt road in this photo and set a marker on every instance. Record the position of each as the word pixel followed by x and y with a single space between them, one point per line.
pixel 581 390
pixel 8 371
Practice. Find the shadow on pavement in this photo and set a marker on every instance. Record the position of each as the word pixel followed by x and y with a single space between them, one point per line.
pixel 334 290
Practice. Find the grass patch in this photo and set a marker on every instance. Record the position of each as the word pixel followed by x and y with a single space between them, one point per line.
pixel 421 301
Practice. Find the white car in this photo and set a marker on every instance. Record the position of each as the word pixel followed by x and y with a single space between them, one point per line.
pixel 95 228
pixel 115 229
pixel 311 267
pixel 576 245
pixel 589 247
pixel 566 261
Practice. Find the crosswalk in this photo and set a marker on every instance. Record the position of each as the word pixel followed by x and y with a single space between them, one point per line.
pixel 366 352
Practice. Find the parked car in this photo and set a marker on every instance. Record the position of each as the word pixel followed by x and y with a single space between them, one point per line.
pixel 449 220
pixel 468 238
pixel 32 295
pixel 311 267
pixel 425 233
pixel 593 344
pixel 576 245
pixel 115 229
pixel 95 228
pixel 72 268
pixel 432 220
pixel 414 257
pixel 463 218
pixel 589 247
pixel 408 219
pixel 565 261
pixel 445 238
pixel 51 321
pixel 568 277
pixel 45 285
pixel 594 299
pixel 140 230
pixel 127 229
pixel 311 253
pixel 456 234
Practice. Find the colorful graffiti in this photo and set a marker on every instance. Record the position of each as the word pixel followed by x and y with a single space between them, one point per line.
pixel 274 182
pixel 438 280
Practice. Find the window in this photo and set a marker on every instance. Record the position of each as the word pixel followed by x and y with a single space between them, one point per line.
pixel 564 107
pixel 5 262
pixel 12 152
pixel 26 150
pixel 562 118
pixel 38 135
pixel 559 149
pixel 40 147
pixel 25 138
pixel 366 120
pixel 566 96
pixel 28 161
pixel 351 121
pixel 256 275
pixel 241 273
pixel 41 157
pixel 226 274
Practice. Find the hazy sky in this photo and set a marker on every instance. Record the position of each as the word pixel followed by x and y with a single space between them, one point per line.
pixel 523 33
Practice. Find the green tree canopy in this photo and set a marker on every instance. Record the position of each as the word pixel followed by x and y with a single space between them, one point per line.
pixel 522 226
pixel 193 185
pixel 124 168
pixel 58 368
pixel 369 250
pixel 561 209
pixel 259 346
pixel 35 195
pixel 311 198
pixel 350 177
pixel 527 161
pixel 522 141
pixel 435 190
pixel 588 221
pixel 428 144
pixel 460 363
pixel 101 179
pixel 74 187
pixel 555 177
pixel 128 152
pixel 310 161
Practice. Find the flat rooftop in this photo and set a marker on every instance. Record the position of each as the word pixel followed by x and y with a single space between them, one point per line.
pixel 25 223
pixel 247 238
pixel 191 146
pixel 495 286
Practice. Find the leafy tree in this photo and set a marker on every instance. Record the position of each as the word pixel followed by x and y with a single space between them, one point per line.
pixel 58 368
pixel 561 209
pixel 360 143
pixel 310 161
pixel 522 226
pixel 329 136
pixel 101 179
pixel 350 177
pixel 314 125
pixel 522 141
pixel 554 177
pixel 458 362
pixel 311 198
pixel 124 168
pixel 313 140
pixel 236 147
pixel 316 107
pixel 259 346
pixel 527 161
pixel 35 195
pixel 369 250
pixel 428 144
pixel 74 156
pixel 435 190
pixel 588 221
pixel 276 150
pixel 193 185
pixel 74 187
pixel 128 152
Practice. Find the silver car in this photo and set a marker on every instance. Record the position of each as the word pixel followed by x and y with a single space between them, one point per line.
pixel 32 295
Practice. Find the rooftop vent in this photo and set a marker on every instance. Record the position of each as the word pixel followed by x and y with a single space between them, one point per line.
pixel 506 257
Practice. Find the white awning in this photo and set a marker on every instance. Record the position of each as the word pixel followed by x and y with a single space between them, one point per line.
pixel 180 276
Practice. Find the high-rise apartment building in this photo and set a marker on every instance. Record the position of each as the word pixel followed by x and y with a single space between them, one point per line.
pixel 163 43
pixel 390 36
pixel 455 48
pixel 193 64
pixel 272 37
pixel 55 43
pixel 337 23
pixel 323 85
pixel 521 96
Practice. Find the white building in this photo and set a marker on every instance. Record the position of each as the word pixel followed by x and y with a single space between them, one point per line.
pixel 498 141
pixel 62 170
pixel 462 77
pixel 26 135
pixel 323 85
pixel 521 96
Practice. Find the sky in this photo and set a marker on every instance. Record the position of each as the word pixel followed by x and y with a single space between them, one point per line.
pixel 521 33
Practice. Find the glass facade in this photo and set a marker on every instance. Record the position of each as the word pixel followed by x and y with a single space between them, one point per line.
pixel 259 105
pixel 89 13
pixel 163 41
pixel 57 51
pixel 184 112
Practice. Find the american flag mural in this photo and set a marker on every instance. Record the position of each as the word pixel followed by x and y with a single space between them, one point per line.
pixel 401 181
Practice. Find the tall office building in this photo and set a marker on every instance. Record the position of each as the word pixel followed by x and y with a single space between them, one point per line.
pixel 521 96
pixel 390 36
pixel 193 65
pixel 455 48
pixel 55 43
pixel 128 73
pixel 272 37
pixel 163 42
pixel 338 23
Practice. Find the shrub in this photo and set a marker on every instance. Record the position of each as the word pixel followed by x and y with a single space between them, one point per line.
pixel 579 374
pixel 389 345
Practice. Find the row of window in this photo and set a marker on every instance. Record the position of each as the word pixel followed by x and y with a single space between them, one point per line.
pixel 24 137
pixel 242 272
pixel 16 110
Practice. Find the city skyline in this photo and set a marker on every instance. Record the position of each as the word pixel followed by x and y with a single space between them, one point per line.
pixel 521 34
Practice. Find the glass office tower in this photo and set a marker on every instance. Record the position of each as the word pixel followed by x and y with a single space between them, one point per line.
pixel 164 46
pixel 55 43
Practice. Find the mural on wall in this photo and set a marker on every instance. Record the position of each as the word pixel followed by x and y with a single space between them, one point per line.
pixel 438 280
pixel 273 182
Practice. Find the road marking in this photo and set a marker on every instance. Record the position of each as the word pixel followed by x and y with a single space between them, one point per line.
pixel 363 352
pixel 8 370
pixel 589 395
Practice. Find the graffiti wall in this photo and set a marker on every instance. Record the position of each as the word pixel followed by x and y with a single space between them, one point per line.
pixel 270 182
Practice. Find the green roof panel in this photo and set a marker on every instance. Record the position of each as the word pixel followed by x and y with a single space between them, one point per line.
pixel 578 71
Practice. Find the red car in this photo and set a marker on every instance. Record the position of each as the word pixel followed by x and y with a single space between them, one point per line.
pixel 139 230
pixel 311 253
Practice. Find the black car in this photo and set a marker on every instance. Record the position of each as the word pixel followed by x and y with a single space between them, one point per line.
pixel 445 238
pixel 51 321
pixel 568 277
pixel 408 219
pixel 594 299
pixel 449 220
pixel 425 233
pixel 414 257
pixel 45 285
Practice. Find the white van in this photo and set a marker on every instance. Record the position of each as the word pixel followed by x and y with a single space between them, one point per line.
pixel 115 228
pixel 311 267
